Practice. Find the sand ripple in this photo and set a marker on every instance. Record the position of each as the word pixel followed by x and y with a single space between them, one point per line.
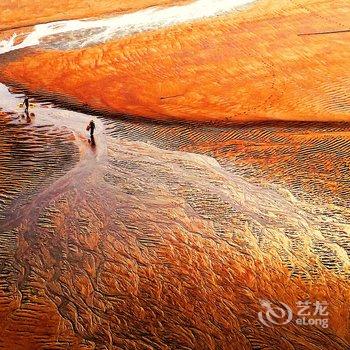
pixel 31 159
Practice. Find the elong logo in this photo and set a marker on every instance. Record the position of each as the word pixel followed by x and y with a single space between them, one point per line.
pixel 281 314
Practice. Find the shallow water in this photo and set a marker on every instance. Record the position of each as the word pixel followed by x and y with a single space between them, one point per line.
pixel 87 32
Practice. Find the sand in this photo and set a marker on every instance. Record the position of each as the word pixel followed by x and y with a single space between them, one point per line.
pixel 171 235
pixel 248 66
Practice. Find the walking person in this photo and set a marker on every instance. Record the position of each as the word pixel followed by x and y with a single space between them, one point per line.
pixel 91 127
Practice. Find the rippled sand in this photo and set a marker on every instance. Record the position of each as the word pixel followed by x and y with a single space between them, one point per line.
pixel 162 238
pixel 250 65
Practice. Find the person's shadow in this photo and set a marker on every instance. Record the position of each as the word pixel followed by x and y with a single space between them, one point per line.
pixel 92 141
pixel 28 119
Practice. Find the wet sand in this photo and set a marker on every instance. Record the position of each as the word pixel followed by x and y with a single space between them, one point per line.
pixel 161 238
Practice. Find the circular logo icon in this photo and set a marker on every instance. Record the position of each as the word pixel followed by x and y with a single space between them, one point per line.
pixel 274 314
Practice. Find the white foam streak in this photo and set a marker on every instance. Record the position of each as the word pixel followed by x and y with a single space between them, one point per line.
pixel 123 25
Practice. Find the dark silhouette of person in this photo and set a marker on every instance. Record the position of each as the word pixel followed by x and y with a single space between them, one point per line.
pixel 91 127
pixel 26 105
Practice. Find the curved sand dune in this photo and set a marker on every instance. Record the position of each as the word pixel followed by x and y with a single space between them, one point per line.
pixel 251 65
